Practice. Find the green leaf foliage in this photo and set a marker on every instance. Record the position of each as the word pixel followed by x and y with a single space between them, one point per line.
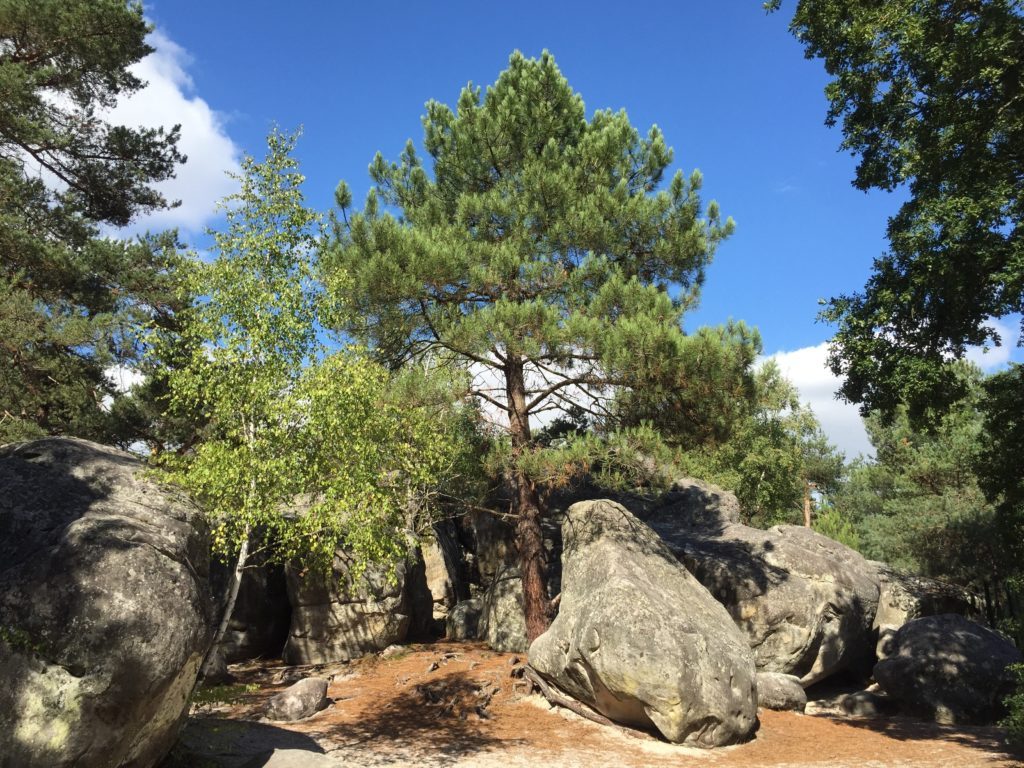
pixel 1014 720
pixel 928 95
pixel 249 336
pixel 920 506
pixel 773 451
pixel 539 245
pixel 301 452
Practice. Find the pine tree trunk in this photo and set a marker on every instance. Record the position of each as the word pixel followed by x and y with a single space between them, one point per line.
pixel 807 505
pixel 526 507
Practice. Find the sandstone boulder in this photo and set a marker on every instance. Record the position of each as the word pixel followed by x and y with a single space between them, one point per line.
pixel 640 640
pixel 780 692
pixel 105 608
pixel 463 621
pixel 442 558
pixel 299 701
pixel 949 669
pixel 336 618
pixel 502 621
pixel 805 602
pixel 904 597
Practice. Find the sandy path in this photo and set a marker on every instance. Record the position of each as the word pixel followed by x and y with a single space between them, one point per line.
pixel 401 712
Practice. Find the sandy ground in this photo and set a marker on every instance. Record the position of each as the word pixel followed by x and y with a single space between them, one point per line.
pixel 460 705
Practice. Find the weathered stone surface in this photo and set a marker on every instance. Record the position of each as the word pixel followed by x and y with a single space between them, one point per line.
pixel 105 609
pixel 640 640
pixel 948 669
pixel 502 621
pixel 336 620
pixel 298 701
pixel 442 558
pixel 867 704
pixel 804 601
pixel 464 620
pixel 903 597
pixel 493 545
pixel 261 616
pixel 781 692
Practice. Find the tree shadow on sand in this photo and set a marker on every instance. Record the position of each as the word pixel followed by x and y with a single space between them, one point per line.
pixel 430 723
pixel 989 739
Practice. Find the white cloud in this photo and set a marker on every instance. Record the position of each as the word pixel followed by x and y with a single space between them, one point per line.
pixel 123 377
pixel 989 358
pixel 169 99
pixel 808 370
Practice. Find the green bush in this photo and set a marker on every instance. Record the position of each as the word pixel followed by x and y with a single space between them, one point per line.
pixel 1014 720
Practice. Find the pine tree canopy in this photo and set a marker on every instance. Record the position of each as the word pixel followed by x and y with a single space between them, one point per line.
pixel 70 301
pixel 537 237
pixel 541 249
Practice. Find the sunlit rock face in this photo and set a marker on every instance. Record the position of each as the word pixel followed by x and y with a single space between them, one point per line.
pixel 806 603
pixel 640 640
pixel 904 597
pixel 105 610
pixel 337 616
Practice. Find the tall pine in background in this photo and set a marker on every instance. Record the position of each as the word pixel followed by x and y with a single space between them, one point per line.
pixel 71 302
pixel 541 250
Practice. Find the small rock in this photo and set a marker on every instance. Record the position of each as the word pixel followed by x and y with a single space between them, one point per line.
pixel 867 704
pixel 433 667
pixel 305 698
pixel 391 651
pixel 779 691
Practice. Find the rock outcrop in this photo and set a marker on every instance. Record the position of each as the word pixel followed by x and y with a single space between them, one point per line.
pixel 640 640
pixel 463 622
pixel 805 602
pixel 105 608
pixel 336 619
pixel 502 621
pixel 904 597
pixel 259 622
pixel 949 669
pixel 442 559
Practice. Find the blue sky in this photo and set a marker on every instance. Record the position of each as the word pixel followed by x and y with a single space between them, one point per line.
pixel 727 84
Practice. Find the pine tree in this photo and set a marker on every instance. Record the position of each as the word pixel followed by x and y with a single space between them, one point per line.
pixel 539 250
pixel 71 301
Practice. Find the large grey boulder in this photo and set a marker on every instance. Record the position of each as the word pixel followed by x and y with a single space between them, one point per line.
pixel 903 597
pixel 805 602
pixel 336 617
pixel 949 669
pixel 640 640
pixel 301 700
pixel 105 608
pixel 502 620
